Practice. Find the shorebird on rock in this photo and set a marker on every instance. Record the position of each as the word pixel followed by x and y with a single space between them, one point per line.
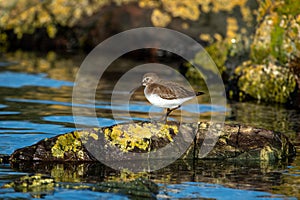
pixel 166 94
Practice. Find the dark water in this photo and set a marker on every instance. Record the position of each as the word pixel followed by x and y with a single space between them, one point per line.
pixel 36 103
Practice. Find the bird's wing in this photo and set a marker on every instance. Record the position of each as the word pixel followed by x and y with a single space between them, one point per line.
pixel 171 91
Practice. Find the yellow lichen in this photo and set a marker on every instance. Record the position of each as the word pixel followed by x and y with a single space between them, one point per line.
pixel 232 27
pixel 205 37
pixel 185 9
pixel 130 136
pixel 143 132
pixel 94 136
pixel 80 154
pixel 84 136
pixel 65 143
pixel 149 3
pixel 159 18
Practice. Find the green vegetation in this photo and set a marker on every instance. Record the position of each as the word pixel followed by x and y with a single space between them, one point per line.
pixel 268 75
pixel 277 36
pixel 265 82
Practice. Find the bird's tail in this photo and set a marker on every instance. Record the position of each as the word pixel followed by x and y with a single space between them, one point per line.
pixel 199 93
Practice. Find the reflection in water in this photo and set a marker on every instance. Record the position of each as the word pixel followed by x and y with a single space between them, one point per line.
pixel 16 80
pixel 273 117
pixel 202 179
pixel 36 103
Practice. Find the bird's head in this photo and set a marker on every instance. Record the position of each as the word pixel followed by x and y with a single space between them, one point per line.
pixel 149 78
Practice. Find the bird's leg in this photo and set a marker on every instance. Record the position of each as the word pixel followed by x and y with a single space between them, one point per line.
pixel 164 118
pixel 168 113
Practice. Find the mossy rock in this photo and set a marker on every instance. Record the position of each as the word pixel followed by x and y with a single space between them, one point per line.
pixel 267 82
pixel 128 137
pixel 277 36
pixel 270 74
pixel 240 142
pixel 65 147
pixel 231 141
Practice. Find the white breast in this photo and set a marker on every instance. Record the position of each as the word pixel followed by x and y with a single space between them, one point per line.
pixel 166 103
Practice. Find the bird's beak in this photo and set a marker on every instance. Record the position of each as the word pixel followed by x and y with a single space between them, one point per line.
pixel 143 83
pixel 134 89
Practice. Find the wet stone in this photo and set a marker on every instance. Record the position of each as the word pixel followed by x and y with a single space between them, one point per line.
pixel 228 141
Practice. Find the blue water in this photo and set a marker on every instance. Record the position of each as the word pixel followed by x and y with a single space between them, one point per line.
pixel 17 79
pixel 195 190
pixel 34 106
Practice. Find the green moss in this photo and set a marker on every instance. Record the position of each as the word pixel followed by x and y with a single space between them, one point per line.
pixel 266 82
pixel 198 75
pixel 277 36
pixel 277 42
pixel 259 54
pixel 218 52
pixel 289 7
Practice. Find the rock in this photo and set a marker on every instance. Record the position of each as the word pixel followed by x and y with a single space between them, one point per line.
pixel 98 20
pixel 232 142
pixel 271 72
pixel 239 142
pixel 65 147
pixel 4 158
pixel 268 82
pixel 276 38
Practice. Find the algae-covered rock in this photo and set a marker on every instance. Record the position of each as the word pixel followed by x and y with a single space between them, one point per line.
pixel 278 34
pixel 231 141
pixel 141 137
pixel 65 147
pixel 270 74
pixel 135 137
pixel 241 142
pixel 267 82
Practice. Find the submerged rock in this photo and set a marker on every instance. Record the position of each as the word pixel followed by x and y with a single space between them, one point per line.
pixel 227 142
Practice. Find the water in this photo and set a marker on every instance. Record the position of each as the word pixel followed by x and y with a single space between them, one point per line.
pixel 36 103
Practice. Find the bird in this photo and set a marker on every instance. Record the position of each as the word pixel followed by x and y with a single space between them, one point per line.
pixel 166 94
